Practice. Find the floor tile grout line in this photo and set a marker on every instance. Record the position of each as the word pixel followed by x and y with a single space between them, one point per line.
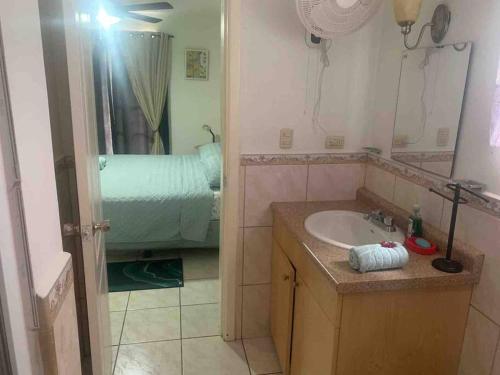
pixel 495 355
pixel 240 334
pixel 180 306
pixel 155 308
pixel 246 356
pixel 243 340
pixel 149 342
pixel 121 333
pixel 200 304
pixel 180 331
pixel 123 323
pixel 201 337
pixel 169 340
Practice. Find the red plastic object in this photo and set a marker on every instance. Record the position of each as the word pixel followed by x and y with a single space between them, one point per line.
pixel 412 245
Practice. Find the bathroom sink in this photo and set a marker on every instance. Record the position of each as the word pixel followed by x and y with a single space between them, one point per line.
pixel 347 229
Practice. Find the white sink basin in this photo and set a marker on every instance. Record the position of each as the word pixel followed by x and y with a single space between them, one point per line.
pixel 347 229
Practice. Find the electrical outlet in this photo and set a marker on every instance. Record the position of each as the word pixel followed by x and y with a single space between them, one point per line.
pixel 334 141
pixel 286 138
pixel 443 137
pixel 400 140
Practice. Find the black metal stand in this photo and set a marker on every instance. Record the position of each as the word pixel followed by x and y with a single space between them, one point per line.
pixel 447 264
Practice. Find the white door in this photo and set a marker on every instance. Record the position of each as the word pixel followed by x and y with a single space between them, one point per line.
pixel 77 14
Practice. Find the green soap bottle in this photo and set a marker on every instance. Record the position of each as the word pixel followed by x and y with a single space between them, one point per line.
pixel 415 223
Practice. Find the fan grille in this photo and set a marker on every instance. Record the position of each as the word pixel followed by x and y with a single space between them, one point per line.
pixel 326 19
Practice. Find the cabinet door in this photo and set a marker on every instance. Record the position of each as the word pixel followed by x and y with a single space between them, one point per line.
pixel 283 279
pixel 313 335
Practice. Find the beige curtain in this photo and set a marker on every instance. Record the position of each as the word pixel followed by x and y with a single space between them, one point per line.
pixel 146 57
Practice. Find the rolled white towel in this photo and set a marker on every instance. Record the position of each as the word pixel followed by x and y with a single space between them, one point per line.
pixel 376 257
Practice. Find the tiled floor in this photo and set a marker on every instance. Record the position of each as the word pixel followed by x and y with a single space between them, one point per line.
pixel 176 331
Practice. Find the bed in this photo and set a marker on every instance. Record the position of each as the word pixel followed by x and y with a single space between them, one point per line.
pixel 159 202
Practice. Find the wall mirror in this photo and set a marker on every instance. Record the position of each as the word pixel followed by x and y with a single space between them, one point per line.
pixel 429 105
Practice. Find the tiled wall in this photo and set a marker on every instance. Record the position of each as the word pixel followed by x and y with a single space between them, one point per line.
pixel 58 326
pixel 261 185
pixel 475 227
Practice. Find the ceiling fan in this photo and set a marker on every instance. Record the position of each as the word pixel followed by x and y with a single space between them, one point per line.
pixel 129 10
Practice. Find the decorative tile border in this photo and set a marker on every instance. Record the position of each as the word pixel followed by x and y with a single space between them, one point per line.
pixel 428 180
pixel 302 159
pixel 50 305
pixel 48 310
pixel 405 171
pixel 415 157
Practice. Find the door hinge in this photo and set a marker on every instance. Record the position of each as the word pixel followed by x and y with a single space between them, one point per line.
pixel 70 230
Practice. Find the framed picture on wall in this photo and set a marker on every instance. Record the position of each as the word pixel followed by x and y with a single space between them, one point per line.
pixel 197 64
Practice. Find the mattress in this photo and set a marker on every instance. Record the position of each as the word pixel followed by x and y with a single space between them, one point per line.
pixel 210 242
pixel 157 198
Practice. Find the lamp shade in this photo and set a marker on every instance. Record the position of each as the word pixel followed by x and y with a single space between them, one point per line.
pixel 406 11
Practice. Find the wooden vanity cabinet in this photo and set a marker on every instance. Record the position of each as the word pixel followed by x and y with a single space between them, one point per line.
pixel 297 317
pixel 317 331
pixel 313 338
pixel 282 295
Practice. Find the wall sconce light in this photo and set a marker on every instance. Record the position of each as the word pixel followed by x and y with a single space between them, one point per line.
pixel 208 128
pixel 406 13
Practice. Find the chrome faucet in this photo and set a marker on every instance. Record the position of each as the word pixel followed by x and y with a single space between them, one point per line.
pixel 378 218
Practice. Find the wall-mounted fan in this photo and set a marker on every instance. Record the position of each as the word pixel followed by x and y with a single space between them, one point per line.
pixel 130 10
pixel 328 18
pixel 325 19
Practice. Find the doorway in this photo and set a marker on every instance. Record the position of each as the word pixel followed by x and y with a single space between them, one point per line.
pixel 158 104
pixel 151 232
pixel 157 83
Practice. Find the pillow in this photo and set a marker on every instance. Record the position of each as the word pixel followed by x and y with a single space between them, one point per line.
pixel 211 161
pixel 102 162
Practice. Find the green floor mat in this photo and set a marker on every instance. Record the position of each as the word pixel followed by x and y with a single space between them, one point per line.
pixel 145 274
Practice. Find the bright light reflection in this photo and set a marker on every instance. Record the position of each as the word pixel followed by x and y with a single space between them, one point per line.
pixel 105 19
pixel 85 17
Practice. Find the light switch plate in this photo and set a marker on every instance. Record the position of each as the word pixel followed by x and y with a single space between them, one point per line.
pixel 286 138
pixel 443 137
pixel 400 140
pixel 334 141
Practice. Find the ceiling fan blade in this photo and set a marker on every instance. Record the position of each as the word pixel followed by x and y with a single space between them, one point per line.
pixel 144 18
pixel 147 6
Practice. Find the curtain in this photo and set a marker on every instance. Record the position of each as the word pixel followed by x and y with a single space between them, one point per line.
pixel 102 98
pixel 146 57
pixel 131 132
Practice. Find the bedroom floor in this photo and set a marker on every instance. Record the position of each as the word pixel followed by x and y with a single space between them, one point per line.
pixel 176 331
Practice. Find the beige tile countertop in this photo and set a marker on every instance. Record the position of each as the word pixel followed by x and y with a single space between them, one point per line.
pixel 333 260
